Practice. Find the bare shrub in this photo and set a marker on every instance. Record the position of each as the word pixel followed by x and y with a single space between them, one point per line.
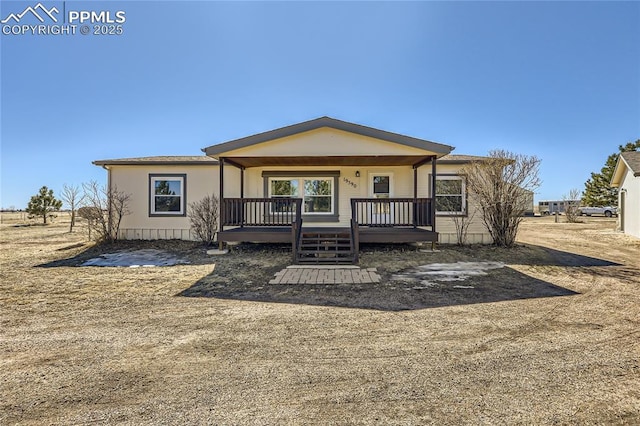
pixel 572 205
pixel 72 196
pixel 460 221
pixel 107 207
pixel 500 183
pixel 91 215
pixel 203 215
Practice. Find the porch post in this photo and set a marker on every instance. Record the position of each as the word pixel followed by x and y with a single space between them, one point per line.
pixel 241 196
pixel 433 193
pixel 241 182
pixel 415 195
pixel 221 195
pixel 415 183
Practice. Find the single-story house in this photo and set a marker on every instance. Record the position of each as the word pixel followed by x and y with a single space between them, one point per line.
pixel 626 177
pixel 321 185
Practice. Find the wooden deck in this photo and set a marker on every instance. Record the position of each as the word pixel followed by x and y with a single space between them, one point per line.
pixel 396 235
pixel 280 220
pixel 257 234
pixel 280 234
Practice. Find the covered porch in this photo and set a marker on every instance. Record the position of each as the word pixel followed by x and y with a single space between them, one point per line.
pixel 282 220
pixel 325 186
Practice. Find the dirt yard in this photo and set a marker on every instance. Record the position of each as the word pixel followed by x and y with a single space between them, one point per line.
pixel 553 337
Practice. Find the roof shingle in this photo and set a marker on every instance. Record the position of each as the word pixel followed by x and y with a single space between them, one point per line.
pixel 632 158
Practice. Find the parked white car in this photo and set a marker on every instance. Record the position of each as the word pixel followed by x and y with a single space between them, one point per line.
pixel 607 211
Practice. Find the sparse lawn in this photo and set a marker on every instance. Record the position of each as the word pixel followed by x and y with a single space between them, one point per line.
pixel 552 338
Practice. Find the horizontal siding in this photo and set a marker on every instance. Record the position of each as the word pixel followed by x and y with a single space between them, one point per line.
pixel 203 180
pixel 134 180
pixel 472 238
pixel 156 234
pixel 325 141
pixel 631 213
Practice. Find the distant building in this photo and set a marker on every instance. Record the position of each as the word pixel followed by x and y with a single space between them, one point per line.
pixel 548 207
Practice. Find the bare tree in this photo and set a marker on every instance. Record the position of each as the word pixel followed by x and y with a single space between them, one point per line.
pixel 572 205
pixel 107 207
pixel 203 215
pixel 501 184
pixel 72 196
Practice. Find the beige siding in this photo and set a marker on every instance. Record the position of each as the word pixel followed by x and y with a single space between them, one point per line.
pixel 630 213
pixel 445 226
pixel 203 180
pixel 134 180
pixel 325 142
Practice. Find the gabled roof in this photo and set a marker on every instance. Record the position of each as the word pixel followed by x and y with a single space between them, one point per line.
pixel 632 158
pixel 627 160
pixel 165 160
pixel 318 123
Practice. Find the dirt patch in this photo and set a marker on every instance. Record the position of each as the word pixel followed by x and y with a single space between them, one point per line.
pixel 120 345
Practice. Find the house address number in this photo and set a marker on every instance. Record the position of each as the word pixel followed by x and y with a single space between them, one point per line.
pixel 348 182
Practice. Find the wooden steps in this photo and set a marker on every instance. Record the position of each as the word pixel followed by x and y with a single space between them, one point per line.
pixel 330 246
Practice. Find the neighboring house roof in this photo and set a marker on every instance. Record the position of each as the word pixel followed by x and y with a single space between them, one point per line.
pixel 160 160
pixel 627 160
pixel 321 122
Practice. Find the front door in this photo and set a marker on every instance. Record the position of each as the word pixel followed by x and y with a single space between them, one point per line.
pixel 380 185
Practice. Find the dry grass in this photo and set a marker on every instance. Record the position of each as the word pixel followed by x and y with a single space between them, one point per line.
pixel 92 345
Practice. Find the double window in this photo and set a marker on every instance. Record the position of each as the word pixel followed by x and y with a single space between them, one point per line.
pixel 317 192
pixel 450 195
pixel 167 195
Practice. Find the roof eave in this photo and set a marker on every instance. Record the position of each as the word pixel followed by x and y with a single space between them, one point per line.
pixel 618 172
pixel 154 163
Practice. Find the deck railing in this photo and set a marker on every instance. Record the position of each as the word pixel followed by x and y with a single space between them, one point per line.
pixel 390 212
pixel 380 212
pixel 260 211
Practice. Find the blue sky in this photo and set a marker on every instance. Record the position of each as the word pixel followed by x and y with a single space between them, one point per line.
pixel 560 80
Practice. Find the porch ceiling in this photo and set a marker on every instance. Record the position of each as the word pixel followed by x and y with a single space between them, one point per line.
pixel 373 160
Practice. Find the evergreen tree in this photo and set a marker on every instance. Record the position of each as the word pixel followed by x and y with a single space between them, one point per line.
pixel 598 191
pixel 43 204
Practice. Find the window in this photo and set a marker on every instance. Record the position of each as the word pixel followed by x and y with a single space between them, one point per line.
pixel 283 188
pixel 317 189
pixel 318 195
pixel 167 195
pixel 450 195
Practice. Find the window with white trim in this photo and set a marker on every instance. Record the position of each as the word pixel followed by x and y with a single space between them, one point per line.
pixel 450 195
pixel 318 195
pixel 317 192
pixel 167 197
